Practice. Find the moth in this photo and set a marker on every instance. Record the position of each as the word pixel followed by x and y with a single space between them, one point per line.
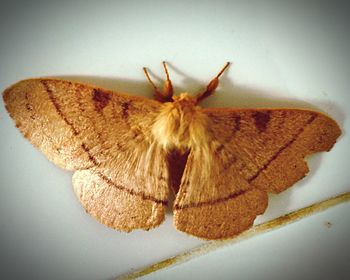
pixel 128 152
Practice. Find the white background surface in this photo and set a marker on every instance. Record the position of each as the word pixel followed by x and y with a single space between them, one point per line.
pixel 308 249
pixel 283 54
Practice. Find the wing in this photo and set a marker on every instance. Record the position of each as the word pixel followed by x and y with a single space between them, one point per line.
pixel 105 138
pixel 252 152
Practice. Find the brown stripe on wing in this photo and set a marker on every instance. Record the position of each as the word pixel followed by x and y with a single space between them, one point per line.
pixel 212 202
pixel 132 192
pixel 35 118
pixel 261 120
pixel 111 183
pixel 100 99
pixel 59 111
pixel 264 167
pixel 99 102
pixel 125 110
pixel 233 118
pixel 58 107
pixel 285 146
pixel 29 107
pixel 91 157
pixel 237 126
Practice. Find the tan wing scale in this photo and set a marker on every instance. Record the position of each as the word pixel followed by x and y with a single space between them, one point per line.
pixel 252 152
pixel 120 157
pixel 103 134
pixel 113 206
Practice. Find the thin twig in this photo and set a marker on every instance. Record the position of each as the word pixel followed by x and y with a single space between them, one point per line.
pixel 256 230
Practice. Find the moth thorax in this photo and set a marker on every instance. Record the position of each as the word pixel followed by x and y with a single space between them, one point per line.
pixel 180 125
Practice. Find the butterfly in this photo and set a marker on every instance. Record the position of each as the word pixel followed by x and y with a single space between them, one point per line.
pixel 128 152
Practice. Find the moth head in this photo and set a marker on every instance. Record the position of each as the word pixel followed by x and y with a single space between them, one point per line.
pixel 167 94
pixel 184 100
pixel 182 96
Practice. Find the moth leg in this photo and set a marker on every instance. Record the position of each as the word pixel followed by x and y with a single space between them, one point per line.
pixel 167 93
pixel 213 84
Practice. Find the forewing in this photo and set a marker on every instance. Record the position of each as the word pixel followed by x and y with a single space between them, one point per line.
pixel 252 152
pixel 81 127
pixel 270 144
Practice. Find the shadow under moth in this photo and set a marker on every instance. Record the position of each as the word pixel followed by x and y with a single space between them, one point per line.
pixel 128 152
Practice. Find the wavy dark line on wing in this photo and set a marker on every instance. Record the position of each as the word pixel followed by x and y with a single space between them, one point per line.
pixel 212 202
pixel 58 107
pixel 285 146
pixel 132 192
